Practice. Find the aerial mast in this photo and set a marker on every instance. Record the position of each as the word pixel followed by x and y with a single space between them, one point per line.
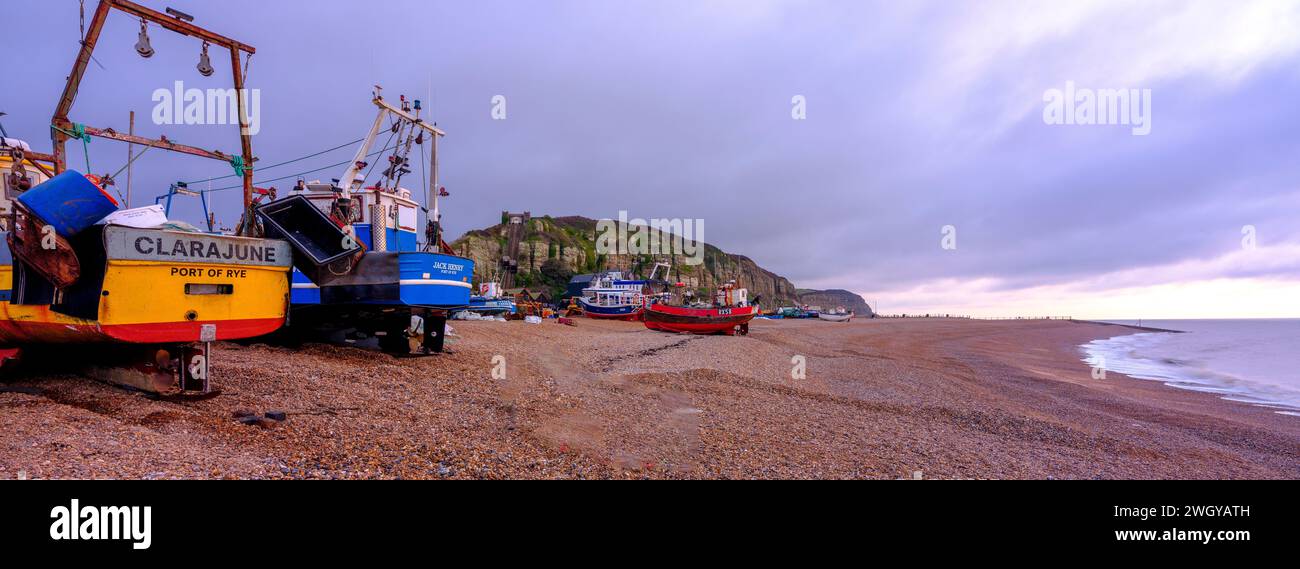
pixel 435 221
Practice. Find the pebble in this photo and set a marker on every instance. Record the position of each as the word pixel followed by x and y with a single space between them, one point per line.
pixel 602 400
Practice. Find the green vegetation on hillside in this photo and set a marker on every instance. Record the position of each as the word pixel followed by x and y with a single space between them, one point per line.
pixel 570 249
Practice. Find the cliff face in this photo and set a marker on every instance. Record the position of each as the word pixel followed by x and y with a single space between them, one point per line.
pixel 553 249
pixel 832 298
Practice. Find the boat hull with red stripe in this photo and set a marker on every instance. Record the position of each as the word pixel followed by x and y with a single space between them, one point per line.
pixel 56 329
pixel 626 317
pixel 729 321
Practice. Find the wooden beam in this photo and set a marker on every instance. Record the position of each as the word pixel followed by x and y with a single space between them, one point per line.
pixel 154 143
pixel 35 159
pixel 179 26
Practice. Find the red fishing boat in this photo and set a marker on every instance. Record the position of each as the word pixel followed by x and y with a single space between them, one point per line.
pixel 730 315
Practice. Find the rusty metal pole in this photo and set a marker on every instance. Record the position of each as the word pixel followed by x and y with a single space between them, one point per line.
pixel 245 140
pixel 130 151
pixel 74 81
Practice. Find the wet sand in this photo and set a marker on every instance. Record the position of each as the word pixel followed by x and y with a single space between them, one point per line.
pixel 881 399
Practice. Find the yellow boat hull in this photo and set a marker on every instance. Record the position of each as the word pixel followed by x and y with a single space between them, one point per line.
pixel 147 301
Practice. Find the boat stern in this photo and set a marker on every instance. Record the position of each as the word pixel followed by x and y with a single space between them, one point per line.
pixel 435 279
pixel 173 286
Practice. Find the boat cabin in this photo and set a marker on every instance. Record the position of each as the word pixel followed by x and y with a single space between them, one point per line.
pixel 383 220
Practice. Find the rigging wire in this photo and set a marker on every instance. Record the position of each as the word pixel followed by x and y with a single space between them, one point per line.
pixel 82 41
pixel 128 162
pixel 398 160
pixel 119 171
pixel 283 163
pixel 386 148
pixel 372 154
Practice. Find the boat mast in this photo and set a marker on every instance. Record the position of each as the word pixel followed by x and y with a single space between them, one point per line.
pixel 435 240
pixel 349 181
pixel 349 177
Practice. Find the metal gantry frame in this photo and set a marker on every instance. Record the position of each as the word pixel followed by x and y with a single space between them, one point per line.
pixel 348 182
pixel 180 188
pixel 61 124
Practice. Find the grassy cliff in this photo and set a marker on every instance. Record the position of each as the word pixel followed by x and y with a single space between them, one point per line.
pixel 553 249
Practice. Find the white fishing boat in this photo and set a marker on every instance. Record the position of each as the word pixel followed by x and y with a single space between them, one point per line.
pixel 613 297
pixel 380 281
pixel 838 314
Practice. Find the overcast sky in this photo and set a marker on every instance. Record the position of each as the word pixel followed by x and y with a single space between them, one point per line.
pixel 918 116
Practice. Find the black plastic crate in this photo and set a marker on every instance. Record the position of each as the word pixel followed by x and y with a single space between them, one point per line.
pixel 316 241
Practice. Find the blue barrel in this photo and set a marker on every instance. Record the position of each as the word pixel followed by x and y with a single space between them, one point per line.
pixel 69 202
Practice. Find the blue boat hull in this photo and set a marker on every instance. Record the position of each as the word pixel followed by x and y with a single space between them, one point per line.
pixel 428 280
pixel 620 312
pixel 490 306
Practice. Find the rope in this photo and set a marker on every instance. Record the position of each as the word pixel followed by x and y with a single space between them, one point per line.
pixel 237 162
pixel 78 132
pixel 282 163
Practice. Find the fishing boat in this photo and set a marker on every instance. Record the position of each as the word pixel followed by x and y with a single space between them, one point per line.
pixel 18 173
pixel 86 283
pixel 839 314
pixel 147 286
pixel 789 312
pixel 729 314
pixel 363 273
pixel 490 302
pixel 613 297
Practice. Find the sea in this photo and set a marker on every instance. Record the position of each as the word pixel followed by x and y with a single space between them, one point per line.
pixel 1254 361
